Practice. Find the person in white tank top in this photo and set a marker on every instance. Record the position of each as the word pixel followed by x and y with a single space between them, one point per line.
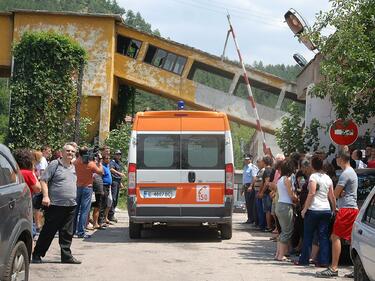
pixel 284 209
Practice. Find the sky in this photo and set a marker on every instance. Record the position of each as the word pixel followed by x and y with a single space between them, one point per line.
pixel 259 25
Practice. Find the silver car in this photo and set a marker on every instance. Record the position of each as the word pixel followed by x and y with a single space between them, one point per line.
pixel 16 220
pixel 363 241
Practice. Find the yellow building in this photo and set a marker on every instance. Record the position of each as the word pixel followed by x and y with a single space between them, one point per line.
pixel 118 54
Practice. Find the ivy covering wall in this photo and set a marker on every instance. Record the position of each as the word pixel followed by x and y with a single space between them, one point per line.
pixel 43 89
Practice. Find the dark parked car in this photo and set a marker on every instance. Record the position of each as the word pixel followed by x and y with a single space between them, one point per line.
pixel 16 220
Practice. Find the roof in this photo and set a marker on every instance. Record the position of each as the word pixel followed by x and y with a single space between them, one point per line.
pixel 69 13
pixel 174 113
pixel 234 63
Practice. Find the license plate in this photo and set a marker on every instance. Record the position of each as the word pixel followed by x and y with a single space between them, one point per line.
pixel 158 193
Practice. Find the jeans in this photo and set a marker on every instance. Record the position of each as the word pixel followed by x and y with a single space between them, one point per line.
pixel 316 220
pixel 249 197
pixel 56 218
pixel 261 214
pixel 267 203
pixel 115 189
pixel 83 208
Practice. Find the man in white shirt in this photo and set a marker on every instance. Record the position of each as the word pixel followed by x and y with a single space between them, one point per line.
pixel 42 165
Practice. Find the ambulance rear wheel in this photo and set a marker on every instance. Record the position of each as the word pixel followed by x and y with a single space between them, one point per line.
pixel 135 230
pixel 226 231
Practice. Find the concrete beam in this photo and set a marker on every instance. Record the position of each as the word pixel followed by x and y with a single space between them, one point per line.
pixel 234 83
pixel 281 98
pixel 238 109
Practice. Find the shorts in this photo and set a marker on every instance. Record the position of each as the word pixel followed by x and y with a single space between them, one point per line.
pixel 344 221
pixel 267 203
pixel 99 200
pixel 284 213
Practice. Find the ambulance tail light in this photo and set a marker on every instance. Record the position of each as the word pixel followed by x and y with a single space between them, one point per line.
pixel 132 171
pixel 229 179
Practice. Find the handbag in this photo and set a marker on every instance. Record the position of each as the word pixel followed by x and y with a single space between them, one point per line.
pixel 37 201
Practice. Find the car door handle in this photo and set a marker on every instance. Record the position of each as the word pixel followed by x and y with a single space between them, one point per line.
pixel 12 203
pixel 191 177
pixel 360 231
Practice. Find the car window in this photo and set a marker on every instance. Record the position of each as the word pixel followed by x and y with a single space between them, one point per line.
pixel 203 152
pixel 7 174
pixel 365 183
pixel 158 151
pixel 369 216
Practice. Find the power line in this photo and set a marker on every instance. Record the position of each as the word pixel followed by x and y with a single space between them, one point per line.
pixel 222 11
pixel 225 6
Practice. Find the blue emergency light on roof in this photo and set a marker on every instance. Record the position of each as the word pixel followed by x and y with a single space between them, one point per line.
pixel 180 105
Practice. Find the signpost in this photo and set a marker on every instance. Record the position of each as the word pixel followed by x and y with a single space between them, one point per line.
pixel 343 132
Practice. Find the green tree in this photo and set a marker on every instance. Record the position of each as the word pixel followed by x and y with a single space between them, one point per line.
pixel 43 89
pixel 241 136
pixel 289 136
pixel 84 6
pixel 119 138
pixel 348 64
pixel 4 109
pixel 136 21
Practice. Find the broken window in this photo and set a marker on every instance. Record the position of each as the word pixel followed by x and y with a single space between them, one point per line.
pixel 179 65
pixel 165 60
pixel 159 58
pixel 127 46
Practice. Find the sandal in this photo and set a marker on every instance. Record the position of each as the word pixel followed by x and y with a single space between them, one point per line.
pixel 284 259
pixel 328 273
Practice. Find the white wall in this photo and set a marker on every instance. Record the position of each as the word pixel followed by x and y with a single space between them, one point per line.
pixel 323 111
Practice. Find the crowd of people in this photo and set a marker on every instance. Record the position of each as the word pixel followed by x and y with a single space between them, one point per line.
pixel 302 201
pixel 66 186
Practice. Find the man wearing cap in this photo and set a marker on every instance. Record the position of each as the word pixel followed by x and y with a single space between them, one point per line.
pixel 116 171
pixel 248 176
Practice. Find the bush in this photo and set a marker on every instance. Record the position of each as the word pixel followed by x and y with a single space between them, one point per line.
pixel 46 67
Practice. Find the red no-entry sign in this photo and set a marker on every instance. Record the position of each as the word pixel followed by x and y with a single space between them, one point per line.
pixel 343 132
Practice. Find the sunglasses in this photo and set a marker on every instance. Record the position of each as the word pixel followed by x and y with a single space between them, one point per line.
pixel 71 151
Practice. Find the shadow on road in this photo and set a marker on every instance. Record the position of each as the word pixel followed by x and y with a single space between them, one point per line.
pixel 160 234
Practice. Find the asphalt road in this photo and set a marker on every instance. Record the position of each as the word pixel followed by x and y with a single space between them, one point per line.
pixel 172 254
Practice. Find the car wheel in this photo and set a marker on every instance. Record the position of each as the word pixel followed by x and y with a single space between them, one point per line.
pixel 135 230
pixel 359 271
pixel 17 268
pixel 226 231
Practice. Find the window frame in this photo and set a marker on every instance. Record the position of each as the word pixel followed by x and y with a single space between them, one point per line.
pixel 371 221
pixel 15 170
pixel 176 152
pixel 220 165
pixel 128 46
pixel 167 54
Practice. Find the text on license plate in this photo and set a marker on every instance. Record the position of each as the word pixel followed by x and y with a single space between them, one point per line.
pixel 158 194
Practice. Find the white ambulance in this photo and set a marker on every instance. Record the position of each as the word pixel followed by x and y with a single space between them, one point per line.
pixel 180 171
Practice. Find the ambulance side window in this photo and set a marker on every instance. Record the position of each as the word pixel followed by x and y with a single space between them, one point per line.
pixel 203 152
pixel 158 151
